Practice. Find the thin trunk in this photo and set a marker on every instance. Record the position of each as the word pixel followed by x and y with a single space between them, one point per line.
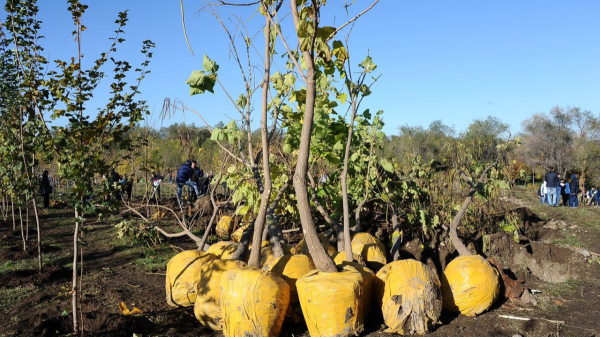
pixel 81 287
pixel 208 228
pixel 322 260
pixel 265 233
pixel 216 209
pixel 39 235
pixel 4 208
pixel 254 260
pixel 313 197
pixel 243 244
pixel 344 178
pixel 26 222
pixel 275 236
pixel 367 189
pixel 75 283
pixel 12 207
pixel 396 242
pixel 22 230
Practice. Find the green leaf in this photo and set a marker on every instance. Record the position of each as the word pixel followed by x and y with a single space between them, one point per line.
pixel 339 51
pixel 199 82
pixel 368 65
pixel 367 114
pixel 209 65
pixel 389 167
pixel 342 98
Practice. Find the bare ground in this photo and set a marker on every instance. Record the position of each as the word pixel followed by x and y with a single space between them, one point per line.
pixel 555 257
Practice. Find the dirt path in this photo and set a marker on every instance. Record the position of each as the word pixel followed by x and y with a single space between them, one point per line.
pixel 550 257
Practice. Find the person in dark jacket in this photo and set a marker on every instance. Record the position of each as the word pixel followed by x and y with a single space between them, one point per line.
pixel 574 189
pixel 552 187
pixel 184 177
pixel 565 192
pixel 46 189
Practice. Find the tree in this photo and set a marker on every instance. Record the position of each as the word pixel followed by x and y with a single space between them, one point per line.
pixel 483 136
pixel 82 144
pixel 565 138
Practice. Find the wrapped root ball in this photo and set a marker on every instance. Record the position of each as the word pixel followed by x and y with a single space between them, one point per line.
pixel 223 250
pixel 183 275
pixel 237 235
pixel 302 247
pixel 410 297
pixel 291 268
pixel 267 256
pixel 369 280
pixel 339 257
pixel 207 308
pixel 370 248
pixel 253 302
pixel 332 302
pixel 264 247
pixel 224 227
pixel 470 285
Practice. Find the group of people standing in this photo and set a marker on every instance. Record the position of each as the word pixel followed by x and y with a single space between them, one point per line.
pixel 554 189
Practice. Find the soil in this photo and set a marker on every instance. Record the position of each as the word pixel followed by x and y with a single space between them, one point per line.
pixel 554 256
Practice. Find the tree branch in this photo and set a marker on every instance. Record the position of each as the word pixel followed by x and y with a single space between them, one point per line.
pixel 352 20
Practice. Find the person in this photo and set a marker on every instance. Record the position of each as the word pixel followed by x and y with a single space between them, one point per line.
pixel 564 192
pixel 558 190
pixel 574 189
pixel 155 180
pixel 542 193
pixel 184 176
pixel 45 188
pixel 552 186
pixel 127 186
pixel 593 196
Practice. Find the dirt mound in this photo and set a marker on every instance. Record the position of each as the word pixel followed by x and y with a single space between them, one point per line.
pixel 548 262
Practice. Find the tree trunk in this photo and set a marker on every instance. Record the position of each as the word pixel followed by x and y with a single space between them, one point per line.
pixel 208 227
pixel 259 224
pixel 243 244
pixel 456 242
pixel 322 260
pixel 4 208
pixel 344 178
pixel 275 236
pixel 396 242
pixel 75 283
pixel 12 207
pixel 39 235
pixel 26 222
pixel 22 230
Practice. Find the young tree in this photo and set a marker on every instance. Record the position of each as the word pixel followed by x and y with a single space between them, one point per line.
pixel 82 143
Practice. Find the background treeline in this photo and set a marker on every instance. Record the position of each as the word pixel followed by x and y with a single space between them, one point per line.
pixel 567 138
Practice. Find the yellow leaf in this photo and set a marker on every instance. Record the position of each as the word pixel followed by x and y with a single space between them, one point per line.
pixel 125 311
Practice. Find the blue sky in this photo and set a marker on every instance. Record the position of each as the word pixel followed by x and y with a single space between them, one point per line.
pixel 451 60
